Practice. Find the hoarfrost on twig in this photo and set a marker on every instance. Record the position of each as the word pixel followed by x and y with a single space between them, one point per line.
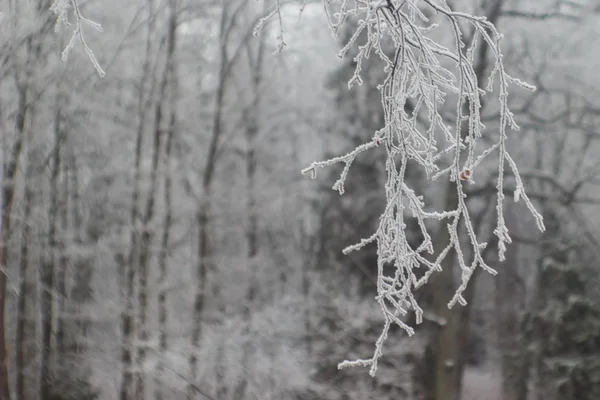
pixel 423 71
pixel 61 9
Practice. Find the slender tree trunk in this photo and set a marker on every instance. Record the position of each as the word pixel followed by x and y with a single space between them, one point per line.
pixel 151 202
pixel 200 296
pixel 255 62
pixel 25 294
pixel 308 331
pixel 3 353
pixel 7 194
pixel 61 276
pixel 127 321
pixel 4 391
pixel 162 262
pixel 203 214
pixel 81 293
pixel 509 303
pixel 127 317
pixel 146 241
pixel 47 275
pixel 252 251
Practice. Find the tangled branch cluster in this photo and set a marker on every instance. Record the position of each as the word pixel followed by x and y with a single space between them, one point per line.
pixel 422 72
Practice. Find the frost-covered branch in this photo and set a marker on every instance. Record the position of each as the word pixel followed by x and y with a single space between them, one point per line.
pixel 61 9
pixel 427 74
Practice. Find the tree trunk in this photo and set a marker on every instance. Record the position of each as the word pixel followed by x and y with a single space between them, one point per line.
pixel 251 117
pixel 127 317
pixel 444 348
pixel 200 296
pixel 252 250
pixel 47 273
pixel 203 214
pixel 162 262
pixel 444 354
pixel 8 192
pixel 7 196
pixel 146 240
pixel 3 354
pixel 81 293
pixel 25 329
pixel 61 277
pixel 509 303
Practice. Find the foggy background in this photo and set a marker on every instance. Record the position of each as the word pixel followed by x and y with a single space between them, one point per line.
pixel 158 234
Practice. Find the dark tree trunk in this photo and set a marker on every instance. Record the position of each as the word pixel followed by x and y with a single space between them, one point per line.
pixel 162 262
pixel 203 214
pixel 48 268
pixel 251 118
pixel 444 354
pixel 24 329
pixel 61 277
pixel 509 303
pixel 130 266
pixel 8 192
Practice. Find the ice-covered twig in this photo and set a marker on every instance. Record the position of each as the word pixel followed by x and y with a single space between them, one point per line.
pixel 422 72
pixel 61 9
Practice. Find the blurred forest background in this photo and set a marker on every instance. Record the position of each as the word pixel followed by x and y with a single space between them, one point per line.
pixel 159 241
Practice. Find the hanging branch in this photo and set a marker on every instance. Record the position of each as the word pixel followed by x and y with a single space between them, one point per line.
pixel 423 72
